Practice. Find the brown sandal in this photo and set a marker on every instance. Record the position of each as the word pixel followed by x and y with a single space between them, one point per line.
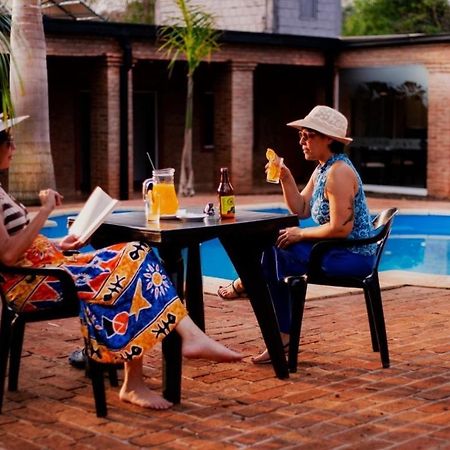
pixel 230 294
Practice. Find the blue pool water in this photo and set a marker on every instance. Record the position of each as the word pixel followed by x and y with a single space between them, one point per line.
pixel 418 243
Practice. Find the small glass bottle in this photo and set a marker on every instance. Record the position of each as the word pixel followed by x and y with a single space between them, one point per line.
pixel 226 195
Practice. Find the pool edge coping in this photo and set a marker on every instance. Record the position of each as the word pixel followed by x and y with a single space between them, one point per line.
pixel 389 279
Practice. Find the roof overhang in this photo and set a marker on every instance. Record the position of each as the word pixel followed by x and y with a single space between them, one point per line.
pixel 69 9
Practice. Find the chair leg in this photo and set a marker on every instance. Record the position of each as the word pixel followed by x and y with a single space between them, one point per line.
pixel 5 342
pixel 297 292
pixel 17 333
pixel 113 379
pixel 372 327
pixel 98 387
pixel 172 367
pixel 378 315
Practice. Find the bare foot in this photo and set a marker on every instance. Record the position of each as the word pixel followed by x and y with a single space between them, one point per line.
pixel 196 344
pixel 144 397
pixel 212 350
pixel 264 357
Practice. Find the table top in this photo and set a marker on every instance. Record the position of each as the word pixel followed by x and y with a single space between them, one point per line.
pixel 134 225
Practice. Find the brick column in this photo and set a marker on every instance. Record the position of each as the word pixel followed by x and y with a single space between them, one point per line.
pixel 105 157
pixel 438 152
pixel 241 126
pixel 130 132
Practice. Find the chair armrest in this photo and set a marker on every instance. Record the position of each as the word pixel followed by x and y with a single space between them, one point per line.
pixel 54 271
pixel 70 252
pixel 70 294
pixel 321 247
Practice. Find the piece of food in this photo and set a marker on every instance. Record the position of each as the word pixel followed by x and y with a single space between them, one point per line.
pixel 270 154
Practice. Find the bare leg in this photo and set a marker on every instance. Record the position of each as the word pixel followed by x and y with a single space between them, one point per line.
pixel 135 391
pixel 264 357
pixel 197 344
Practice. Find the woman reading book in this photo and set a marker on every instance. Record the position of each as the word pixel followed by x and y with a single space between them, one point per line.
pixel 128 303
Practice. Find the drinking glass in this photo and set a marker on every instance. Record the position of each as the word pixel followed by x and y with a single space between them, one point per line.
pixel 274 169
pixel 152 200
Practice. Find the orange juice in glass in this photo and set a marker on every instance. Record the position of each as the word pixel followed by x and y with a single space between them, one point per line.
pixel 151 201
pixel 153 206
pixel 164 188
pixel 274 169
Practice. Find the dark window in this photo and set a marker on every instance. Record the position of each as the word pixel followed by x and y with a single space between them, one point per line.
pixel 208 121
pixel 308 9
pixel 83 158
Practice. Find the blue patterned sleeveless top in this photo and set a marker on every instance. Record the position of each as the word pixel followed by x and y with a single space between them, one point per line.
pixel 320 208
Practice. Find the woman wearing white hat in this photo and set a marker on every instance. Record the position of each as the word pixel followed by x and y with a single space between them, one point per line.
pixel 333 198
pixel 120 320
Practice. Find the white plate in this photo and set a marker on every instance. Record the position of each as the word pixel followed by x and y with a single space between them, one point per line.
pixel 191 217
pixel 168 216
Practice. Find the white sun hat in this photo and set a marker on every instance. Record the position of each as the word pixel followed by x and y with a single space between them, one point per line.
pixel 327 121
pixel 6 124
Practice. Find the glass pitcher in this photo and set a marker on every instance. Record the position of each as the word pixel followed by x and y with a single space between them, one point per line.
pixel 164 186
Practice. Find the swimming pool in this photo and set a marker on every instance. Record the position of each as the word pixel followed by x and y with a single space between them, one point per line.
pixel 418 243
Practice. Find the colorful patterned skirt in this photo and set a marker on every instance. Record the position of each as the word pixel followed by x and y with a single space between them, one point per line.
pixel 128 303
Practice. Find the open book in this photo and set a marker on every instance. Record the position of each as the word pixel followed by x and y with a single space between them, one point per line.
pixel 97 207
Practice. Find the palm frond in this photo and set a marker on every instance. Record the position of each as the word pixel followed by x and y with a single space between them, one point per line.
pixel 192 35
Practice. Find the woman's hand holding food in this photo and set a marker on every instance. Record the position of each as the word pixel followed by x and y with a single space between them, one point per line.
pixel 50 199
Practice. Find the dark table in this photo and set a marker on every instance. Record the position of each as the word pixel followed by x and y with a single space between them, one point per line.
pixel 244 238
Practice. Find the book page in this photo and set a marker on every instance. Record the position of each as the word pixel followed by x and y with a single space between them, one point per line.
pixel 97 207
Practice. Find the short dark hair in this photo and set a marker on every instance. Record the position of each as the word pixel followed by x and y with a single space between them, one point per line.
pixel 337 147
pixel 5 135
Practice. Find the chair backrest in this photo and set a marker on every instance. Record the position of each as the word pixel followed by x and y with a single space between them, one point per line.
pixel 382 225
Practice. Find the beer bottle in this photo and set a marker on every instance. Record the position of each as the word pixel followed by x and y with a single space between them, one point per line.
pixel 226 195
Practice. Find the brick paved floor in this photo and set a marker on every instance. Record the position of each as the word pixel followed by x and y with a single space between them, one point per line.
pixel 339 398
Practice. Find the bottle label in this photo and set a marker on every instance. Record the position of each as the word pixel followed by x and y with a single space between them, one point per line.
pixel 227 205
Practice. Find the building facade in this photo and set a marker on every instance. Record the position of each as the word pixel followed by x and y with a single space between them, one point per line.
pixel 112 101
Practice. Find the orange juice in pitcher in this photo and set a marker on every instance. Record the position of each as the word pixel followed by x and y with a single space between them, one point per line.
pixel 164 187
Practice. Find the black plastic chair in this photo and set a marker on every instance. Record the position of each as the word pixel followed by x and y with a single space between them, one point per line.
pixel 12 329
pixel 370 284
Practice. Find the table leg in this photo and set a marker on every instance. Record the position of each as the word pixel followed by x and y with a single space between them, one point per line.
pixel 194 288
pixel 245 254
pixel 171 345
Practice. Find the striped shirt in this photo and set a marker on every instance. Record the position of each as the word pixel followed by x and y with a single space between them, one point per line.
pixel 14 214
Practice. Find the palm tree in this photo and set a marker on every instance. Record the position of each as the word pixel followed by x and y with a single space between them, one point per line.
pixel 5 52
pixel 6 58
pixel 193 36
pixel 33 166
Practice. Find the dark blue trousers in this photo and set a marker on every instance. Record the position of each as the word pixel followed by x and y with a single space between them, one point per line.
pixel 279 263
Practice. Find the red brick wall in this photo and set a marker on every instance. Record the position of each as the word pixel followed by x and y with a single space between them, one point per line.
pixel 234 111
pixel 438 156
pixel 242 126
pixel 105 145
pixel 222 126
